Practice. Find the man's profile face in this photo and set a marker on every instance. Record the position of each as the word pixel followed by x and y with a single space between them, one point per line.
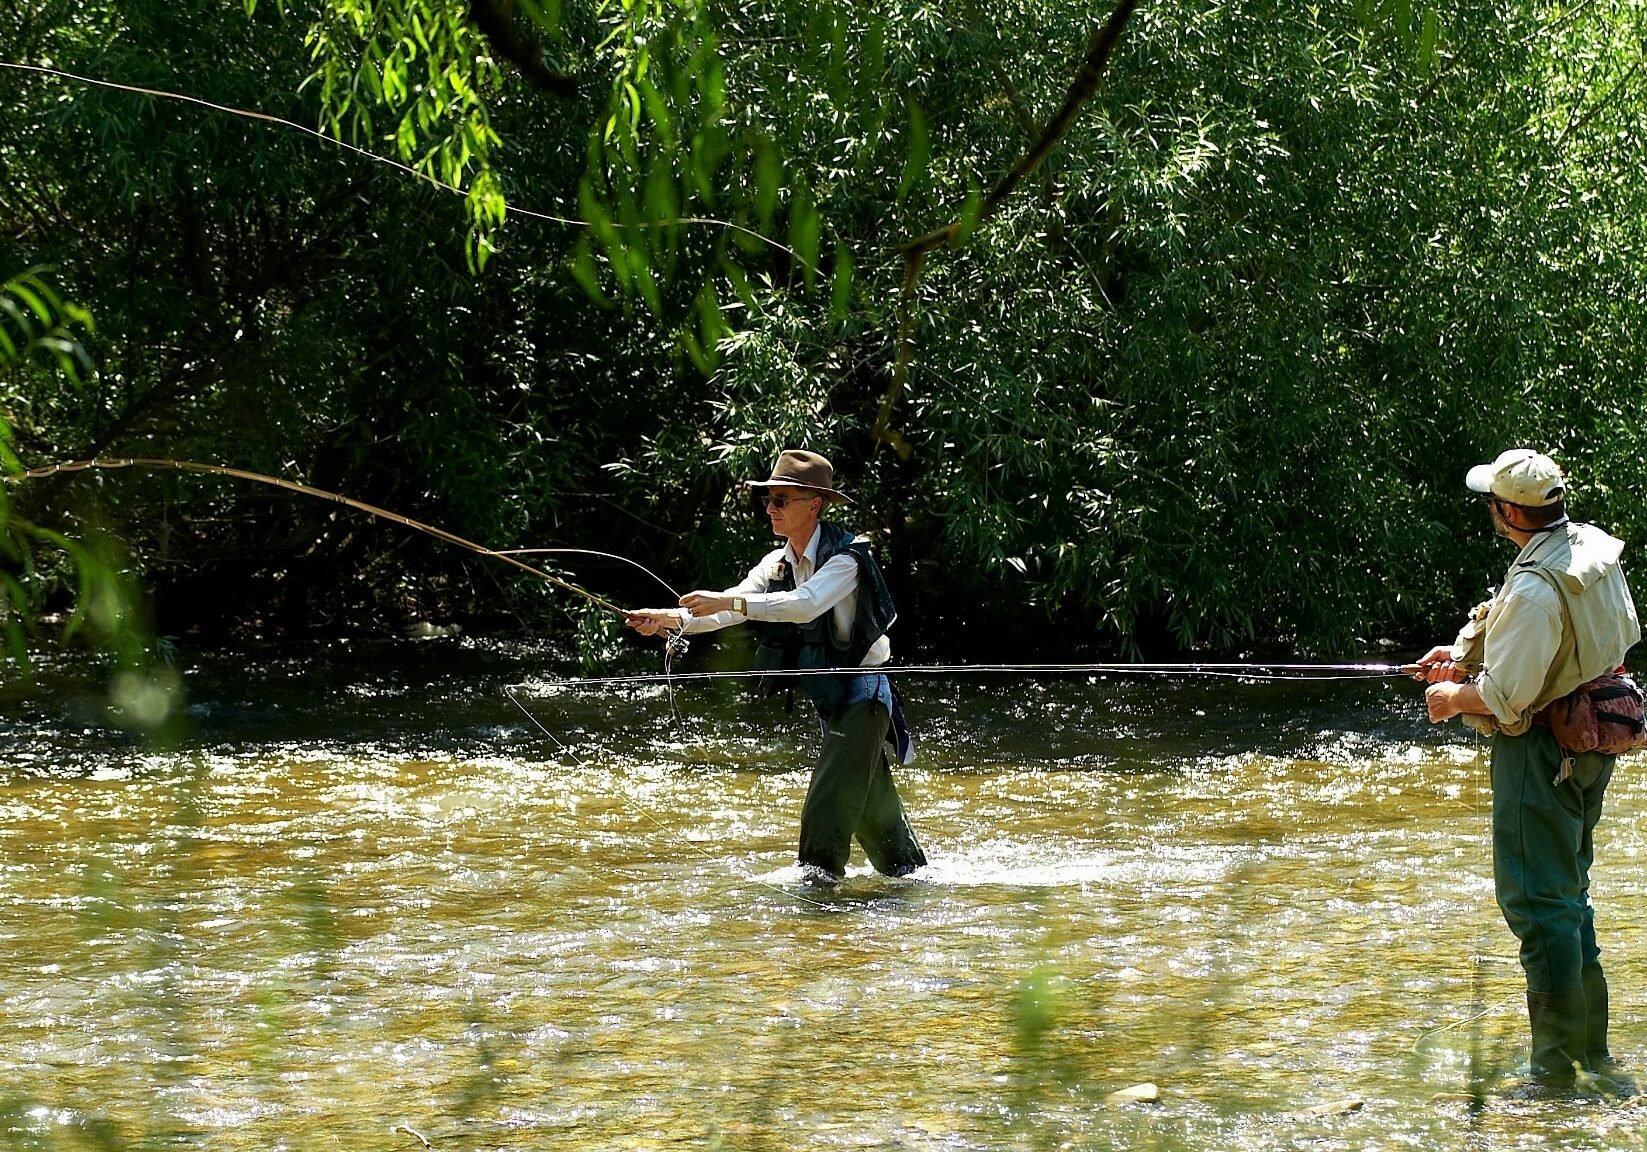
pixel 791 510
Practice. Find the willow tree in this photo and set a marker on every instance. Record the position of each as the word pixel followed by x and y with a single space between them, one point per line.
pixel 1205 375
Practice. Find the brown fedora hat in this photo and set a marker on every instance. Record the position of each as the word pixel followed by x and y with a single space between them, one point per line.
pixel 800 469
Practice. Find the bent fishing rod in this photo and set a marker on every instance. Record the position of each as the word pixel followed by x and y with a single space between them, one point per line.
pixel 507 555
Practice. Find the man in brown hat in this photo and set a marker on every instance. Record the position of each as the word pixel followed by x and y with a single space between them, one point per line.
pixel 820 602
pixel 1562 617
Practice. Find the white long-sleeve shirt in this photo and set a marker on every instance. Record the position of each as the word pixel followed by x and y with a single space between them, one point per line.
pixel 833 588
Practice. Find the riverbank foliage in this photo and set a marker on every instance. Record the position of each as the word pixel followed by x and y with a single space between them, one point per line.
pixel 1208 380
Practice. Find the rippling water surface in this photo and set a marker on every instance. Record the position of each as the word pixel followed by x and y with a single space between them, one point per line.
pixel 368 902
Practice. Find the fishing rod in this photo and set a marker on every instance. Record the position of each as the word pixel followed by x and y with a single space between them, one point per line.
pixel 1241 671
pixel 507 555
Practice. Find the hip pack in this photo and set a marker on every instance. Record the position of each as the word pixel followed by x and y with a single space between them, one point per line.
pixel 1602 715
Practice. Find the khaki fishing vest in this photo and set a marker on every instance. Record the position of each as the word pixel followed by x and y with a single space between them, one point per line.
pixel 1599 622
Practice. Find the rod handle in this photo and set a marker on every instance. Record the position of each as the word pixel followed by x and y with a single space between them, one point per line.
pixel 1417 671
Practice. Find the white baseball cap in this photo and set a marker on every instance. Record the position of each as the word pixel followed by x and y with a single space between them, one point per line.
pixel 1519 476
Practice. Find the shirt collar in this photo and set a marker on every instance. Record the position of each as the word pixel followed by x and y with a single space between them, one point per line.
pixel 810 553
pixel 1540 538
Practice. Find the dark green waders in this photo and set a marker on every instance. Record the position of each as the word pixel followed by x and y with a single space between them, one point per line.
pixel 1543 846
pixel 852 794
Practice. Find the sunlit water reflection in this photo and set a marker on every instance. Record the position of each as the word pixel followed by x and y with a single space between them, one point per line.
pixel 369 899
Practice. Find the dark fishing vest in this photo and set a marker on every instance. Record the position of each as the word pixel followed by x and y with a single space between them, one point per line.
pixel 781 645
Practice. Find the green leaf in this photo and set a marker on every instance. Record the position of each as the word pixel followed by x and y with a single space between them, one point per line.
pixel 712 84
pixel 33 299
pixel 661 198
pixel 919 156
pixel 840 288
pixel 768 182
pixel 632 104
pixel 595 213
pixel 702 358
pixel 805 231
pixel 17 642
pixel 707 151
pixel 641 271
pixel 478 249
pixel 1428 36
pixel 585 272
pixel 711 321
pixel 545 14
pixel 741 287
pixel 657 111
pixel 970 212
pixel 872 51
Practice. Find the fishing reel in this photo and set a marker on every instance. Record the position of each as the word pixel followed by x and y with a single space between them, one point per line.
pixel 675 645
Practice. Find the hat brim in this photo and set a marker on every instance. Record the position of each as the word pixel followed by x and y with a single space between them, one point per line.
pixel 826 493
pixel 1480 478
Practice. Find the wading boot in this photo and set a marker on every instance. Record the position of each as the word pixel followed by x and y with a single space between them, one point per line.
pixel 1558 1021
pixel 1596 1055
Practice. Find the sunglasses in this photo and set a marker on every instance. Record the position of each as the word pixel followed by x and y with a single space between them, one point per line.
pixel 781 501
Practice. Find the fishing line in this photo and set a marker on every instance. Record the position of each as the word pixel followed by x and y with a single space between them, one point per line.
pixel 675 644
pixel 653 820
pixel 1478 983
pixel 587 552
pixel 1479 1008
pixel 1275 673
pixel 425 177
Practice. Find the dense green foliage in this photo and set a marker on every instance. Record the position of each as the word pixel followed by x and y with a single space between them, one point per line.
pixel 37 326
pixel 1209 379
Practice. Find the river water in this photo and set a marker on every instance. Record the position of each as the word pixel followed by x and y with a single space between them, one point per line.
pixel 366 902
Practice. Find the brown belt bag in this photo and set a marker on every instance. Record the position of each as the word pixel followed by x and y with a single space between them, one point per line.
pixel 1602 715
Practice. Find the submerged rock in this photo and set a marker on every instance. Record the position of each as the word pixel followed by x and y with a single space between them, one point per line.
pixel 1455 1098
pixel 1335 1107
pixel 1145 1093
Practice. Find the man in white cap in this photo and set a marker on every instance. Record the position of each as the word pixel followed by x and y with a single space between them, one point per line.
pixel 1562 617
pixel 820 602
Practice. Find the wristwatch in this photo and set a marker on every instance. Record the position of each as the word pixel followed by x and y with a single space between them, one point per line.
pixel 740 605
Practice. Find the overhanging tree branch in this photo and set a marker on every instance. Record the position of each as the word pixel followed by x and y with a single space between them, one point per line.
pixel 497 23
pixel 914 251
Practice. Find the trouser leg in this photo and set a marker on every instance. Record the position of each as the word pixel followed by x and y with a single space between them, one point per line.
pixel 1543 846
pixel 1557 1020
pixel 884 831
pixel 852 793
pixel 1596 1054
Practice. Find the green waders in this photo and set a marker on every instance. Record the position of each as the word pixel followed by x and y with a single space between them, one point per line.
pixel 852 794
pixel 1543 845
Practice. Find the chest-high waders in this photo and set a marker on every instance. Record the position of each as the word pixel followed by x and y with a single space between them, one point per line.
pixel 1545 811
pixel 852 792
